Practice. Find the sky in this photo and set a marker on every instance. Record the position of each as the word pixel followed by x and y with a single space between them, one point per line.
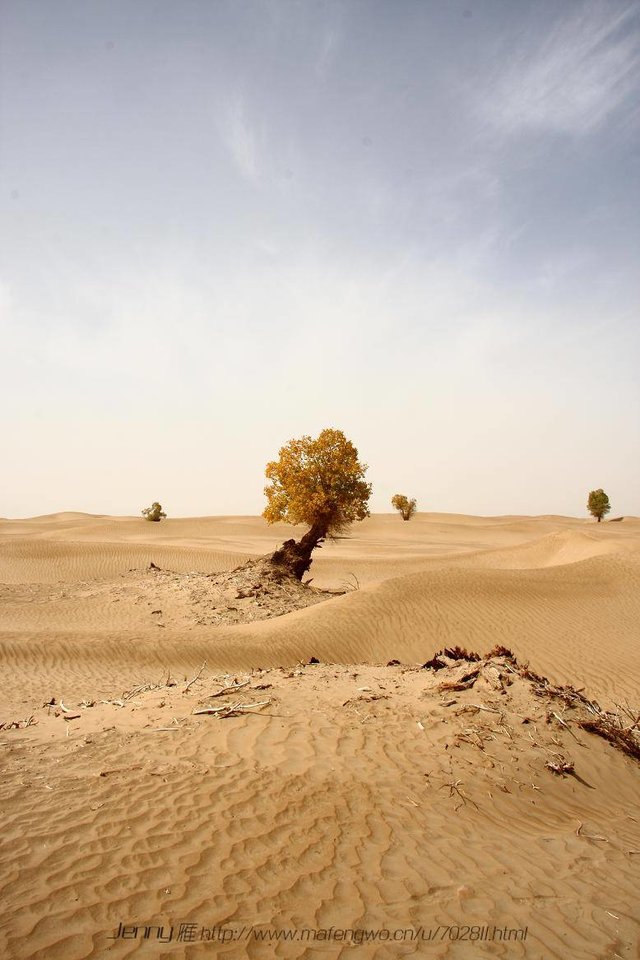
pixel 229 223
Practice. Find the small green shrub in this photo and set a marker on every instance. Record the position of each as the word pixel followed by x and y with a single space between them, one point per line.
pixel 154 512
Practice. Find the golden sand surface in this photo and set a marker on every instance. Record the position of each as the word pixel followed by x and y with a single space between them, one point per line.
pixel 356 795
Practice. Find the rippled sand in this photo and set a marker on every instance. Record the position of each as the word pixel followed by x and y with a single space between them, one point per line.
pixel 332 806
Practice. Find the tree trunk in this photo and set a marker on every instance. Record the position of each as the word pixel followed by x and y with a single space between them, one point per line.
pixel 599 519
pixel 294 557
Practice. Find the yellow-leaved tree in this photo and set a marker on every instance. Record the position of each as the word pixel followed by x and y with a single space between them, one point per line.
pixel 404 506
pixel 319 483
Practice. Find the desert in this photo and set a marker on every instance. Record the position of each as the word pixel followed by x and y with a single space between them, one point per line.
pixel 319 501
pixel 289 782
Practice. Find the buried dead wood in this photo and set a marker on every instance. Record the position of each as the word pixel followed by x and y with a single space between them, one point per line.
pixel 610 726
pixel 621 737
pixel 439 660
pixel 258 589
pixel 261 588
pixel 464 683
pixel 499 668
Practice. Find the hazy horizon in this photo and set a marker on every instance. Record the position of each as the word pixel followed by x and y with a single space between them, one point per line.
pixel 351 531
pixel 225 225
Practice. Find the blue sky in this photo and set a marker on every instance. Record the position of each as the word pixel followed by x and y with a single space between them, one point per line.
pixel 227 224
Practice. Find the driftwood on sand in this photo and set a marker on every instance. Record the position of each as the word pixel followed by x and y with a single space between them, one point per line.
pixel 232 709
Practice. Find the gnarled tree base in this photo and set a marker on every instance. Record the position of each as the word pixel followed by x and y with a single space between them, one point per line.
pixel 294 556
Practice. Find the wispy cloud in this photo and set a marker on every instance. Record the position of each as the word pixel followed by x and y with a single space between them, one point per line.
pixel 328 48
pixel 583 72
pixel 241 137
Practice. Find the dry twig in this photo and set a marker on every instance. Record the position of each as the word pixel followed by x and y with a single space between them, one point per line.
pixel 561 766
pixel 230 688
pixel 454 790
pixel 588 836
pixel 18 724
pixel 197 676
pixel 232 709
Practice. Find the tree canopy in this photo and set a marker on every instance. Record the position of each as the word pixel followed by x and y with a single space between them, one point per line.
pixel 598 504
pixel 318 482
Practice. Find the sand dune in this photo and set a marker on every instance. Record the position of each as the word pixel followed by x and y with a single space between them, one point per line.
pixel 334 808
pixel 568 599
pixel 554 549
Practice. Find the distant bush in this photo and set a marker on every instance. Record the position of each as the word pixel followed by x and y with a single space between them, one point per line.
pixel 598 504
pixel 404 506
pixel 154 512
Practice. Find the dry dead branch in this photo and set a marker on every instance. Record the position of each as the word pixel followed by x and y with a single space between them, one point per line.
pixel 18 724
pixel 230 688
pixel 464 683
pixel 503 725
pixel 366 698
pixel 627 740
pixel 588 836
pixel 450 653
pixel 561 767
pixel 454 790
pixel 348 585
pixel 635 720
pixel 565 725
pixel 232 709
pixel 141 688
pixel 621 729
pixel 197 677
